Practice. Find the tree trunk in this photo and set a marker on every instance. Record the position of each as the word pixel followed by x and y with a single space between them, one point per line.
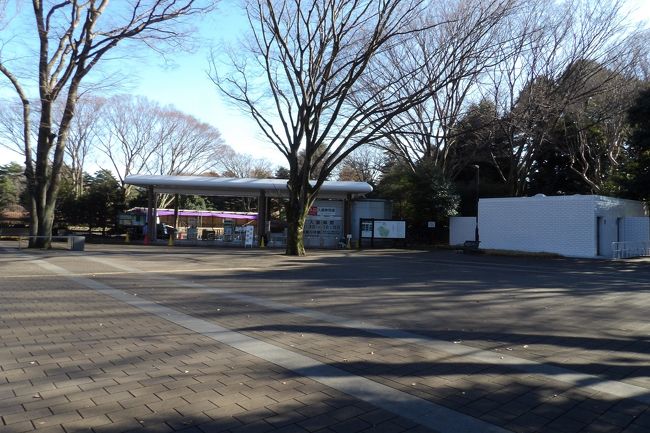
pixel 295 228
pixel 33 219
pixel 44 223
pixel 297 209
pixel 47 176
pixel 42 208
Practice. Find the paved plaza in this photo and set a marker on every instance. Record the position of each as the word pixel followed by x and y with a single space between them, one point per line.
pixel 128 338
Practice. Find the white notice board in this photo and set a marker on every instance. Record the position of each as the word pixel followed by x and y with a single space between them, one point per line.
pixel 389 229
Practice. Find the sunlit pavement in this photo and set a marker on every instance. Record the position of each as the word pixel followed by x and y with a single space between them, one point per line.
pixel 126 338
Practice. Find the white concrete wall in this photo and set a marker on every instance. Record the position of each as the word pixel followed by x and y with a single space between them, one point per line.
pixel 635 229
pixel 609 213
pixel 377 209
pixel 461 229
pixel 566 225
pixel 562 225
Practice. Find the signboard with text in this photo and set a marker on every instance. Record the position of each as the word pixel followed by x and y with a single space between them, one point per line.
pixel 322 211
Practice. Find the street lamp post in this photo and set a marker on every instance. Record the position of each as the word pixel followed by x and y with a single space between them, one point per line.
pixel 476 237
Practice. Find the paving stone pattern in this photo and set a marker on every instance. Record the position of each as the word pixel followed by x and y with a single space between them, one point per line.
pixel 73 360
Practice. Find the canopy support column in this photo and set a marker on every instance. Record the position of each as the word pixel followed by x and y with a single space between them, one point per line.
pixel 261 218
pixel 151 214
pixel 347 215
pixel 176 198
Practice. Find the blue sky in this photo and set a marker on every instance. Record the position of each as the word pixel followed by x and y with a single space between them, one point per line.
pixel 189 88
pixel 181 80
pixel 186 85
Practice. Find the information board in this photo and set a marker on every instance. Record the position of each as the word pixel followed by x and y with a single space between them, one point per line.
pixel 248 239
pixel 125 219
pixel 228 230
pixel 366 228
pixel 389 229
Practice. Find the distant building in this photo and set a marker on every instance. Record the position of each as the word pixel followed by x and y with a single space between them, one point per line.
pixel 573 226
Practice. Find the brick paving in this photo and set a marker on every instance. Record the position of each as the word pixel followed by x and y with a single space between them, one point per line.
pixel 75 360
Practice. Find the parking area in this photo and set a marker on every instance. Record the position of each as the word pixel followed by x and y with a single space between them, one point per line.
pixel 132 338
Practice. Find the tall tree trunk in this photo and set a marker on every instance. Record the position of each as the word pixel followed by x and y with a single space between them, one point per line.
pixel 44 213
pixel 45 224
pixel 300 201
pixel 43 210
pixel 33 216
pixel 41 221
pixel 295 231
pixel 48 173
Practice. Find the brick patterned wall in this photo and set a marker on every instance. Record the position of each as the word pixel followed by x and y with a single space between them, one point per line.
pixel 563 224
pixel 635 229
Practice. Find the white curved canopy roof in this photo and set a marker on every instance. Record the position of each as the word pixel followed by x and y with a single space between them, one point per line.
pixel 239 187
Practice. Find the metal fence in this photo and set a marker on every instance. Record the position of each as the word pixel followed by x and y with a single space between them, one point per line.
pixel 626 250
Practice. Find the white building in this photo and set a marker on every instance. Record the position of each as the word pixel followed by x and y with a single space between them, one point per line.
pixel 574 226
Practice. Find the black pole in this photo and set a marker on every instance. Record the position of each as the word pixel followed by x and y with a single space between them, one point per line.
pixel 476 236
pixel 151 216
pixel 360 231
pixel 176 198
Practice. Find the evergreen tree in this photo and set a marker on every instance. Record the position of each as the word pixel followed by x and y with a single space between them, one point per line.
pixel 419 195
pixel 12 184
pixel 634 176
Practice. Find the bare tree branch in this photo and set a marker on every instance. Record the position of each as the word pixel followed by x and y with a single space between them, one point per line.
pixel 319 82
pixel 73 36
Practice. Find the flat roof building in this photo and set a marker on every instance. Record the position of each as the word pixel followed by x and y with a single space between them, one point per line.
pixel 262 189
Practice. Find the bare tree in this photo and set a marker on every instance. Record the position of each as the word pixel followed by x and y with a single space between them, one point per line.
pixel 128 137
pixel 595 129
pixel 188 146
pixel 458 54
pixel 82 138
pixel 140 136
pixel 315 60
pixel 11 127
pixel 72 37
pixel 555 51
pixel 243 165
pixel 362 165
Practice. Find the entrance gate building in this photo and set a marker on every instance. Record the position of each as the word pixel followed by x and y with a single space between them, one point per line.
pixel 329 219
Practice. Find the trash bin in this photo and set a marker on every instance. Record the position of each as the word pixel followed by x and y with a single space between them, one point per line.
pixel 76 243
